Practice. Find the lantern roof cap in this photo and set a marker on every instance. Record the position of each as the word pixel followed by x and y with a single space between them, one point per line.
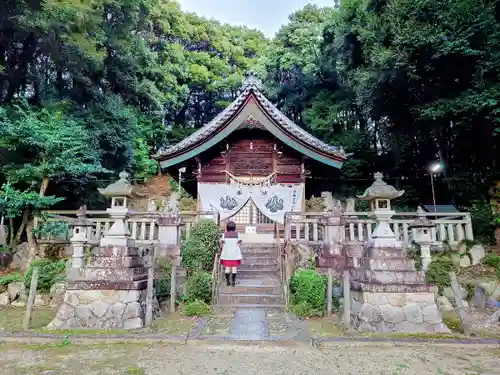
pixel 421 221
pixel 120 188
pixel 380 190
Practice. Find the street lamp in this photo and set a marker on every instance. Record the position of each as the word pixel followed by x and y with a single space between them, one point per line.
pixel 434 168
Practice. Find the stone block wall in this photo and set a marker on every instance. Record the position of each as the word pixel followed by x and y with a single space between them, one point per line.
pixel 101 309
pixel 395 312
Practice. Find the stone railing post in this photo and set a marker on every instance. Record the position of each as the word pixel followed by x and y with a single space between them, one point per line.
pixel 331 255
pixel 79 238
pixel 334 232
pixel 169 230
pixel 468 227
pixel 287 225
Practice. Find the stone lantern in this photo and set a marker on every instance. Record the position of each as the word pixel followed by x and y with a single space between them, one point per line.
pixel 387 293
pixel 423 236
pixel 79 236
pixel 109 292
pixel 380 194
pixel 120 193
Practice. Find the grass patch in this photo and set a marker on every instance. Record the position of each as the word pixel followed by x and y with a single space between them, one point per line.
pixel 174 324
pixel 426 336
pixel 84 331
pixel 453 322
pixel 11 318
pixel 319 328
pixel 133 370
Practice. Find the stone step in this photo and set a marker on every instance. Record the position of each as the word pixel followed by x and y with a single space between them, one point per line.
pixel 257 273
pixel 250 298
pixel 225 308
pixel 259 251
pixel 257 238
pixel 272 280
pixel 250 289
pixel 260 259
pixel 262 267
pixel 270 245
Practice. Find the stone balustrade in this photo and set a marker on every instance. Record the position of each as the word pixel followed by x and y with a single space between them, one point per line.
pixel 144 226
pixel 300 227
pixel 451 228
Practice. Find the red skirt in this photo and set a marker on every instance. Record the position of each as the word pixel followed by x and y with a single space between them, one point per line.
pixel 230 263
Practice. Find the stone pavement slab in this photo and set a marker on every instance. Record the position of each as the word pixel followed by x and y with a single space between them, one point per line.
pixel 249 324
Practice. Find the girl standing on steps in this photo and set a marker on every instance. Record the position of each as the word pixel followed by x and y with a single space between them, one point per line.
pixel 231 252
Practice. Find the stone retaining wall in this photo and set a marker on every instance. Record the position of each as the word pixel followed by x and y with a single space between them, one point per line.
pixel 101 309
pixel 395 312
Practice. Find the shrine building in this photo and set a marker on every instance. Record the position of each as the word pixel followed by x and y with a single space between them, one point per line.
pixel 250 163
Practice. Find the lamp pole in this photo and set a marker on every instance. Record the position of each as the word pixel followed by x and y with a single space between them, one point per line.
pixel 433 169
pixel 433 192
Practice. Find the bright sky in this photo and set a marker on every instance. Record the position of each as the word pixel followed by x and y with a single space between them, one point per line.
pixel 265 15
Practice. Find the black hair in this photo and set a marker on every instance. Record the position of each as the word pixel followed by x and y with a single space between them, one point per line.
pixel 231 226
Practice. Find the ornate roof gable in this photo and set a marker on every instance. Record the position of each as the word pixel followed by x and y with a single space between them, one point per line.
pixel 302 141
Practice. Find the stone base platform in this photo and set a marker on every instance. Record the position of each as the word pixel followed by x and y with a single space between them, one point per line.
pixel 101 309
pixel 395 308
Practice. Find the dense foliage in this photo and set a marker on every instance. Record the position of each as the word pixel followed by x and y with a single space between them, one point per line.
pixel 50 272
pixel 493 261
pixel 199 250
pixel 91 87
pixel 196 308
pixel 163 280
pixel 399 84
pixel 308 292
pixel 438 273
pixel 198 287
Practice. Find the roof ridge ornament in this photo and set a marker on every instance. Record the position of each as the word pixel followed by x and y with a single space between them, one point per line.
pixel 252 79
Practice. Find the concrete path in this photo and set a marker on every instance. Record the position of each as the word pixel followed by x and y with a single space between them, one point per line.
pixel 252 323
pixel 249 324
pixel 230 358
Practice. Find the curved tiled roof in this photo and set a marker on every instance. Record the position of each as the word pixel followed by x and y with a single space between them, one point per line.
pixel 252 85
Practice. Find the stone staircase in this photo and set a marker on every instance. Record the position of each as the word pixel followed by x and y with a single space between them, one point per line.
pixel 258 282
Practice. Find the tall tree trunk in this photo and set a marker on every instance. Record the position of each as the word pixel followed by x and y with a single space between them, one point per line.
pixel 33 245
pixel 20 230
pixel 44 186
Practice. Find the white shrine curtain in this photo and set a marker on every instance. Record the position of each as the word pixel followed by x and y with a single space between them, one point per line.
pixel 227 200
pixel 273 201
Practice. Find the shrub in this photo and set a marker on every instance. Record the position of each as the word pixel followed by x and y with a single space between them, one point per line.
pixel 198 287
pixel 308 288
pixel 304 309
pixel 482 221
pixel 50 272
pixel 492 260
pixel 199 250
pixel 196 308
pixel 162 283
pixel 453 322
pixel 438 273
pixel 10 278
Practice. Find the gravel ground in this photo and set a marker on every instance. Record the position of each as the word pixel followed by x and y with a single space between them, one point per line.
pixel 229 358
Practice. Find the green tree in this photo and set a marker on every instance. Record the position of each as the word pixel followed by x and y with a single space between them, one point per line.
pixel 47 146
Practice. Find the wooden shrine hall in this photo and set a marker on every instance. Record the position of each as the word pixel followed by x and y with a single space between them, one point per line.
pixel 250 162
